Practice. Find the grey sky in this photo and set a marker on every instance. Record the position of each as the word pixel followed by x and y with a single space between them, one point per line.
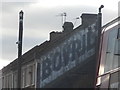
pixel 40 20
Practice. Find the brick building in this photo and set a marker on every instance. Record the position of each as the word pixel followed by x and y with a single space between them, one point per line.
pixel 67 60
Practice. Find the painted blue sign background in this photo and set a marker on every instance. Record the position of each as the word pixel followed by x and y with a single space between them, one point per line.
pixel 67 55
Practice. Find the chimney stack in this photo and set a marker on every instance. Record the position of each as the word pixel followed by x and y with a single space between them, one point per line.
pixel 54 35
pixel 67 26
pixel 88 19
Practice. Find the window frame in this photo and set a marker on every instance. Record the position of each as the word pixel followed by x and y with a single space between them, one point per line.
pixel 29 80
pixel 110 49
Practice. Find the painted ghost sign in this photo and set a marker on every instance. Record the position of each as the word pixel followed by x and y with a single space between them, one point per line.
pixel 67 55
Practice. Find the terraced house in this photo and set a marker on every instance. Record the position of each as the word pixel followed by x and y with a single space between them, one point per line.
pixel 86 56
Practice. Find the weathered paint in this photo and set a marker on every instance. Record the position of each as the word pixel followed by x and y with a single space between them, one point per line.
pixel 67 55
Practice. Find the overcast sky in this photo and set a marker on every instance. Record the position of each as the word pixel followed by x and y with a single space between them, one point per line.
pixel 40 18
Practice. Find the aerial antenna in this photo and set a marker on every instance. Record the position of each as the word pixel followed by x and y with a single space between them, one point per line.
pixel 63 15
pixel 76 20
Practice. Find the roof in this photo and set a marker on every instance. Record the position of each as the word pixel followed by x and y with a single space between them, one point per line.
pixel 112 22
pixel 26 57
pixel 41 49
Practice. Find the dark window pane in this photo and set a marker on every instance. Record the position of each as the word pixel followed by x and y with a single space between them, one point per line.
pixel 118 36
pixel 110 49
pixel 114 80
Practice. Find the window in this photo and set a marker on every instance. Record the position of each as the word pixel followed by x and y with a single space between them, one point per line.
pixel 112 34
pixel 113 49
pixel 28 75
pixel 105 81
pixel 31 74
pixel 10 81
pixel 24 77
pixel 116 57
pixel 28 78
pixel 15 80
pixel 118 35
pixel 3 82
pixel 7 81
pixel 114 80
